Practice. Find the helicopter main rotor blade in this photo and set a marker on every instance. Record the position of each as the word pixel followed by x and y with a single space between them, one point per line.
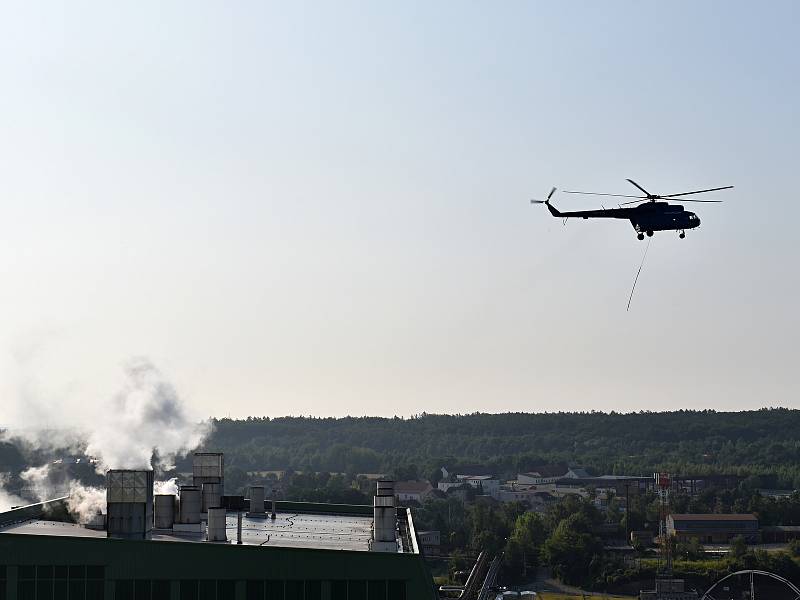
pixel 727 187
pixel 597 194
pixel 633 202
pixel 692 200
pixel 640 187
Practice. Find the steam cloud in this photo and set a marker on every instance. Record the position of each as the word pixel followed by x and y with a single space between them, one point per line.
pixel 145 426
pixel 146 416
pixel 7 500
pixel 170 486
pixel 85 502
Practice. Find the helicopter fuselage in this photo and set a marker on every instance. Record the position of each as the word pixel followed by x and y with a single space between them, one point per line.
pixel 647 217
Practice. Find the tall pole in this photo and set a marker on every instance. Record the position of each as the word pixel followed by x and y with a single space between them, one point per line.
pixel 627 512
pixel 664 482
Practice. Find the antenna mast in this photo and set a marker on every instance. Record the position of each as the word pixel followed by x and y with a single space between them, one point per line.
pixel 664 483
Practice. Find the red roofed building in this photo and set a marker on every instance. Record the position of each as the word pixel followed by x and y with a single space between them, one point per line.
pixel 412 490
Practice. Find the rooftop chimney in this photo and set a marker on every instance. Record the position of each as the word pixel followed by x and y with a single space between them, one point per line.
pixel 257 501
pixel 188 510
pixel 129 496
pixel 216 525
pixel 164 510
pixel 208 467
pixel 384 525
pixel 208 474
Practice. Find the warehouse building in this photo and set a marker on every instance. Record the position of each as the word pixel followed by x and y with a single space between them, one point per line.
pixel 713 529
pixel 203 545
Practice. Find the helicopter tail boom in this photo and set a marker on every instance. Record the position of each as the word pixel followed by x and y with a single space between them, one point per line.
pixel 553 210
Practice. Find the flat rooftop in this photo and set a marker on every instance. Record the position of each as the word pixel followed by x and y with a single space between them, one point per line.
pixel 293 530
pixel 714 517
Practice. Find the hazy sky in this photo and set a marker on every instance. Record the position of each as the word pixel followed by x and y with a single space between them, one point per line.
pixel 322 208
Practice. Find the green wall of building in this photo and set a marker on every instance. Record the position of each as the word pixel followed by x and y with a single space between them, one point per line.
pixel 37 567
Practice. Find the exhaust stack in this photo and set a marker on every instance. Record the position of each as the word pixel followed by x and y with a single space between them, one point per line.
pixel 129 496
pixel 189 510
pixel 208 467
pixel 164 510
pixel 216 524
pixel 257 502
pixel 212 496
pixel 384 524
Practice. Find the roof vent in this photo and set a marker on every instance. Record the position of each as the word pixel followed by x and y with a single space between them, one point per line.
pixel 257 502
pixel 188 510
pixel 164 510
pixel 384 525
pixel 129 496
pixel 216 525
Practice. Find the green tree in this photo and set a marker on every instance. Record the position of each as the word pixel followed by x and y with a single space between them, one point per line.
pixel 524 545
pixel 572 549
pixel 691 550
pixel 738 547
pixel 457 562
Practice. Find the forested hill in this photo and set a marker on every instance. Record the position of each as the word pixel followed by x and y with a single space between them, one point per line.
pixel 697 442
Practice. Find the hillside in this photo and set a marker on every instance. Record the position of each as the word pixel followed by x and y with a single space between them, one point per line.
pixel 762 442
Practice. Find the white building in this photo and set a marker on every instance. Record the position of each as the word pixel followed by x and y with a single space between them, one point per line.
pixel 549 474
pixel 536 499
pixel 412 490
pixel 446 485
pixel 577 474
pixel 484 484
pixel 430 542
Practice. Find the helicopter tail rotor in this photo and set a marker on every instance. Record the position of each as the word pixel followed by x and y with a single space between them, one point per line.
pixel 550 195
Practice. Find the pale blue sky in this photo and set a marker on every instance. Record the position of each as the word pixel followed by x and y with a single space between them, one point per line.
pixel 322 208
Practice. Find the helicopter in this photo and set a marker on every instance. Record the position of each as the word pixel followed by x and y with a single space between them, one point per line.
pixel 653 213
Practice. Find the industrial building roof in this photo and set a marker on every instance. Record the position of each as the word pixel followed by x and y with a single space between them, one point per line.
pixel 321 531
pixel 714 517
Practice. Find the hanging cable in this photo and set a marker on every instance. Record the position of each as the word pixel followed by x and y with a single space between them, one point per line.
pixel 646 248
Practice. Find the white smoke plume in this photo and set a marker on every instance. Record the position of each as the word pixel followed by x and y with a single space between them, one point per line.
pixel 7 499
pixel 40 482
pixel 170 486
pixel 145 416
pixel 145 425
pixel 85 502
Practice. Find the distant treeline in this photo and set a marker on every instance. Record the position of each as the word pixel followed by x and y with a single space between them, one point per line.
pixel 762 443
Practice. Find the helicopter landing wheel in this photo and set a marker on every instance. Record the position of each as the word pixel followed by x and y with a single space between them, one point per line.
pixel 640 236
pixel 649 234
pixel 682 234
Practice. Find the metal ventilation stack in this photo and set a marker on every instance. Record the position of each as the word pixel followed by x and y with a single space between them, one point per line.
pixel 257 505
pixel 208 474
pixel 188 510
pixel 216 525
pixel 164 509
pixel 384 524
pixel 129 496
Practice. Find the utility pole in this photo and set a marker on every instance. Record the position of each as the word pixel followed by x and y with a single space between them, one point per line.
pixel 627 512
